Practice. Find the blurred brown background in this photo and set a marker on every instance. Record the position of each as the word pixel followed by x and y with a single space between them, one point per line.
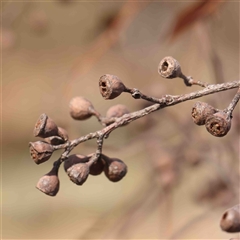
pixel 180 178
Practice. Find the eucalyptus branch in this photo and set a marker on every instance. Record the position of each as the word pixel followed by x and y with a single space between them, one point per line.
pixel 166 101
pixel 169 100
pixel 196 82
pixel 78 167
pixel 233 104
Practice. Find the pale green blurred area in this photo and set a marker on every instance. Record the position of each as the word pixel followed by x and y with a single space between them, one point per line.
pixel 36 78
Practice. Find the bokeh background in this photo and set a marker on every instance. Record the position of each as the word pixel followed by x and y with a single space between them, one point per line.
pixel 180 178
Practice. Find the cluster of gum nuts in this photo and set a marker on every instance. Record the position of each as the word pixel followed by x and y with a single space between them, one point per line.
pixel 217 122
pixel 77 166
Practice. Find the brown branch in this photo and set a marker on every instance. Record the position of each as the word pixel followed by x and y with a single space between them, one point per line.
pixel 233 104
pixel 192 81
pixel 165 101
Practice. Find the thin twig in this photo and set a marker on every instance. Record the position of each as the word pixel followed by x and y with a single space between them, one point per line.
pixel 209 89
pixel 165 101
pixel 197 82
pixel 189 81
pixel 233 103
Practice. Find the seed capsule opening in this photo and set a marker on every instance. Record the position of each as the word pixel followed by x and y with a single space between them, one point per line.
pixel 218 124
pixel 165 66
pixel 40 151
pixel 110 86
pixel 169 68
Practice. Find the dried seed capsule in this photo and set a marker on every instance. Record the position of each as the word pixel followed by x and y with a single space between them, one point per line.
pixel 45 127
pixel 74 159
pixel 63 134
pixel 81 108
pixel 78 173
pixel 97 167
pixel 117 111
pixel 230 221
pixel 54 140
pixel 49 183
pixel 40 151
pixel 169 68
pixel 201 111
pixel 114 112
pixel 110 86
pixel 115 169
pixel 218 124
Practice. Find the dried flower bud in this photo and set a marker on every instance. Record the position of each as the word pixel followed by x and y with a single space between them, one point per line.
pixel 54 140
pixel 169 68
pixel 40 151
pixel 81 108
pixel 201 111
pixel 115 169
pixel 78 173
pixel 74 159
pixel 230 221
pixel 45 127
pixel 97 167
pixel 218 124
pixel 117 111
pixel 63 134
pixel 49 183
pixel 110 86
